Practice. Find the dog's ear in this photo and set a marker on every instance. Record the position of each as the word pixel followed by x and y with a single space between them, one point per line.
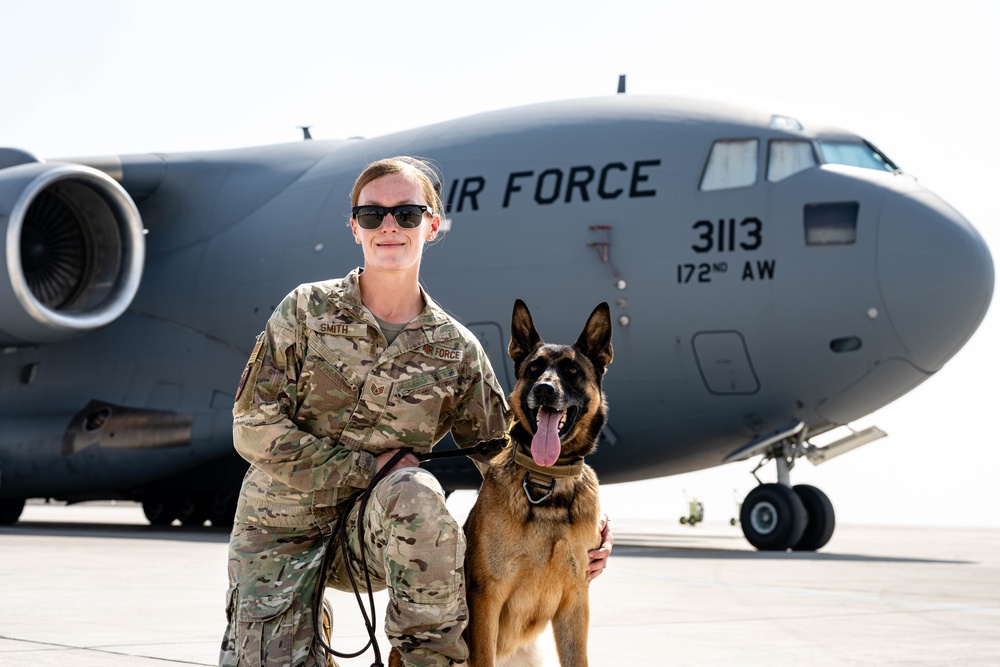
pixel 523 337
pixel 595 341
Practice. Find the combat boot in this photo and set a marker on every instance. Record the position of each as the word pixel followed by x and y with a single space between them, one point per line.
pixel 328 630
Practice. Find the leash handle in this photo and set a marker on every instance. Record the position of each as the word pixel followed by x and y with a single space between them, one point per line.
pixel 486 448
pixel 338 532
pixel 380 474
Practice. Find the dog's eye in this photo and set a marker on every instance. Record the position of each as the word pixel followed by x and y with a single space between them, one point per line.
pixel 569 367
pixel 534 368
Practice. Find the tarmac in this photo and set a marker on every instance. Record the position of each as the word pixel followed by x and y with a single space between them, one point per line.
pixel 94 585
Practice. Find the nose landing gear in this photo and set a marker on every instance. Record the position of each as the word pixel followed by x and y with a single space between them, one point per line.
pixel 776 517
pixel 773 517
pixel 779 516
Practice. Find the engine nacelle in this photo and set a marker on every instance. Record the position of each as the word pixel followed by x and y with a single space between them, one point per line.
pixel 72 251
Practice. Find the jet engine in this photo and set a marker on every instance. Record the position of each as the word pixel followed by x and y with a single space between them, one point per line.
pixel 72 251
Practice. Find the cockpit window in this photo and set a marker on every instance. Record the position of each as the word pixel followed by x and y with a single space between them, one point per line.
pixel 787 158
pixel 855 154
pixel 731 164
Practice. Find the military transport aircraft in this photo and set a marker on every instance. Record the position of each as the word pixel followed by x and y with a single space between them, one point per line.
pixel 769 281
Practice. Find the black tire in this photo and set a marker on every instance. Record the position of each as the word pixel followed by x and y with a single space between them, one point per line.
pixel 160 512
pixel 222 510
pixel 773 518
pixel 10 510
pixel 192 512
pixel 821 518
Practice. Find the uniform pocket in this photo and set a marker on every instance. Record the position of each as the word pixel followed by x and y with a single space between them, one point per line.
pixel 321 355
pixel 244 394
pixel 265 631
pixel 327 382
pixel 412 413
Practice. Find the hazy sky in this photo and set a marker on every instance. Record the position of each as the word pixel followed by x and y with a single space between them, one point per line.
pixel 917 79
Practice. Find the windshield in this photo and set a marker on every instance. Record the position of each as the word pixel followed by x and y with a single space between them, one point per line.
pixel 855 154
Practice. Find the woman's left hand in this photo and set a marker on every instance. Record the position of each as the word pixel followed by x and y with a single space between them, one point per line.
pixel 599 557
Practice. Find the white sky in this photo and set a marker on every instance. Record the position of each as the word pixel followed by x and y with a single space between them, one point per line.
pixel 918 79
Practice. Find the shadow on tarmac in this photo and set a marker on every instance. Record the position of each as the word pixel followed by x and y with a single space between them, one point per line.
pixel 627 547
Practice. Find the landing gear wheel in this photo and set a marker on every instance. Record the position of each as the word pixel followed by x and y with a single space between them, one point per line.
pixel 222 509
pixel 160 512
pixel 821 518
pixel 773 517
pixel 10 510
pixel 191 512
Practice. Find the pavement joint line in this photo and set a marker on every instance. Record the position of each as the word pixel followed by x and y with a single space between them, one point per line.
pixel 52 646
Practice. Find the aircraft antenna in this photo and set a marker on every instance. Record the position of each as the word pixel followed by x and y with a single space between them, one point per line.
pixel 306 136
pixel 621 84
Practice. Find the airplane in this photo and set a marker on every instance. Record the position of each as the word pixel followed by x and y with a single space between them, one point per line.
pixel 769 280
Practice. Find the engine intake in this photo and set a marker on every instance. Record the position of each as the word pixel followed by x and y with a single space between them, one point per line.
pixel 73 251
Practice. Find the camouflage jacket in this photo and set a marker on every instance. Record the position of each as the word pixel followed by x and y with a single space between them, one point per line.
pixel 322 395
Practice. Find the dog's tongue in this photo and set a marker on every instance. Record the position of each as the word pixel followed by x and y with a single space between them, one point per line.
pixel 545 445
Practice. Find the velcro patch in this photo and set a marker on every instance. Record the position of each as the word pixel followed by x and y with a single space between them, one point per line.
pixel 446 353
pixel 377 390
pixel 256 351
pixel 354 329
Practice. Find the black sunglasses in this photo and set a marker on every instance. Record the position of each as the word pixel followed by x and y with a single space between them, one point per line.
pixel 407 216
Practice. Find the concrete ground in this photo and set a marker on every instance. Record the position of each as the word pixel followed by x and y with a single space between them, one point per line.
pixel 91 585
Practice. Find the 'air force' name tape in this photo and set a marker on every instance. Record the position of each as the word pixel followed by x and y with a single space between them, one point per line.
pixel 445 353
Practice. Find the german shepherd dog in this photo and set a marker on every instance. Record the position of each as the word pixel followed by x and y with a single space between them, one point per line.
pixel 537 513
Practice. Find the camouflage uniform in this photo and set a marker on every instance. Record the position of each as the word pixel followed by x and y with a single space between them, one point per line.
pixel 320 398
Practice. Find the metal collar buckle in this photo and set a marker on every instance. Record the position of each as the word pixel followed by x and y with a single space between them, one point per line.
pixel 548 489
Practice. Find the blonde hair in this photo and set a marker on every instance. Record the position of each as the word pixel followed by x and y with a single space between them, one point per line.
pixel 421 171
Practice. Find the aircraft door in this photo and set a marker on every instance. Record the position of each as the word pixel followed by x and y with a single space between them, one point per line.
pixel 724 363
pixel 490 336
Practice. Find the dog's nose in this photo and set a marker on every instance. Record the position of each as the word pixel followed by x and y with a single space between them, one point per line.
pixel 544 391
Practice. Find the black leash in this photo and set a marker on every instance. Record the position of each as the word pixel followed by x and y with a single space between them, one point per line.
pixel 486 448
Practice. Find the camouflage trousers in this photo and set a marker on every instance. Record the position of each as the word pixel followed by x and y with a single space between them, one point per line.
pixel 413 546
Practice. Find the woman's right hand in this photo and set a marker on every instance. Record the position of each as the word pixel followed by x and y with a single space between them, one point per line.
pixel 407 461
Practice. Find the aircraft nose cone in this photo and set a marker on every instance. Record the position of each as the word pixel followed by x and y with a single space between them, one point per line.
pixel 936 275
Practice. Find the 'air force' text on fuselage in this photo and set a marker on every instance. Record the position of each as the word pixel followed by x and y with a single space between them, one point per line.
pixel 585 183
pixel 577 183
